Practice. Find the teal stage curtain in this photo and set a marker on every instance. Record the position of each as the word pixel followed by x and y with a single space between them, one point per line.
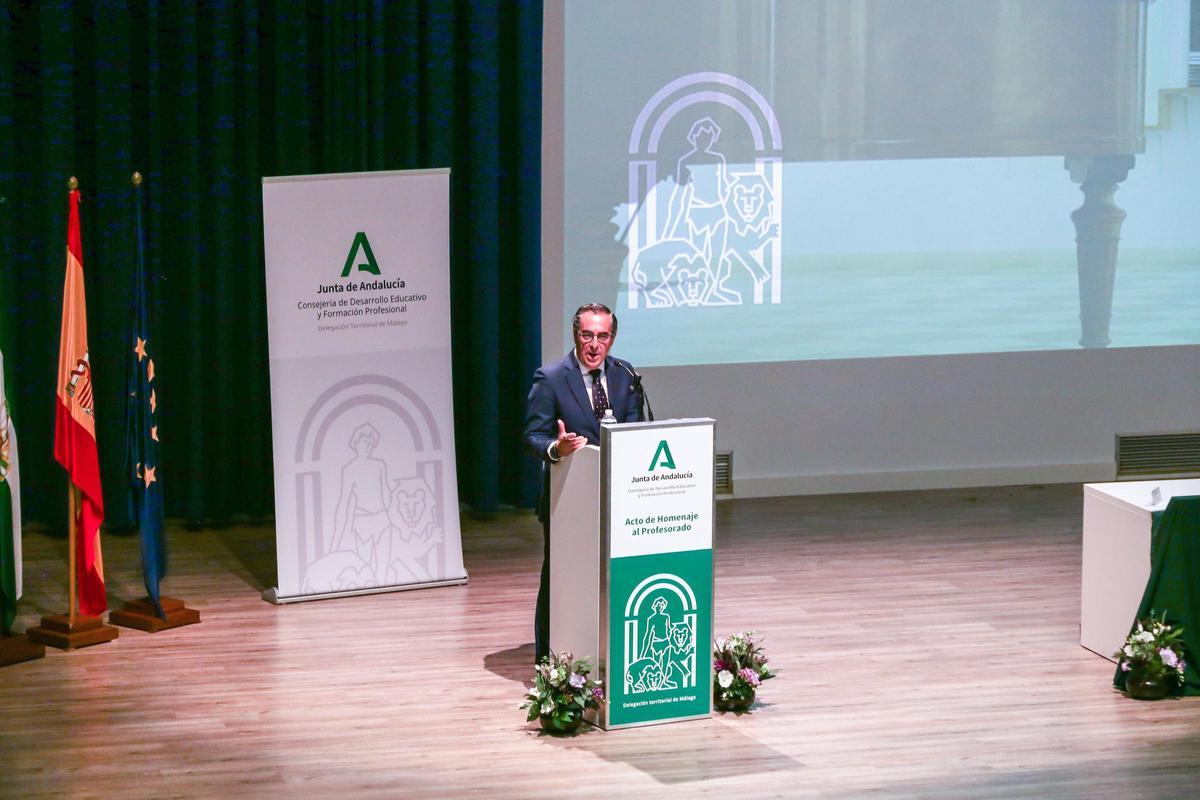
pixel 204 99
pixel 1173 587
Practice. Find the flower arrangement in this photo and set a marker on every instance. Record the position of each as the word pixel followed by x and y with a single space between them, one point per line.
pixel 561 691
pixel 739 668
pixel 1152 653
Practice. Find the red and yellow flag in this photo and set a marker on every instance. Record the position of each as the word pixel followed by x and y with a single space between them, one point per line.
pixel 75 424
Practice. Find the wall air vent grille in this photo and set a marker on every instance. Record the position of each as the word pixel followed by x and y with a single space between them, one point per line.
pixel 1157 455
pixel 723 475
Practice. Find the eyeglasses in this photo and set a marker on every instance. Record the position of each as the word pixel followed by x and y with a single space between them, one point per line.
pixel 604 337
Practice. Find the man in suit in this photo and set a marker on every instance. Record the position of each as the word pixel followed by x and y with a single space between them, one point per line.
pixel 566 403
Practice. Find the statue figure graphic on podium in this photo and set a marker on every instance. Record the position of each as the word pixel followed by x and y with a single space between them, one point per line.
pixel 664 655
pixel 656 641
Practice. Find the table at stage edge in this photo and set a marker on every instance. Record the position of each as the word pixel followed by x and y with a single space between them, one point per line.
pixel 1117 518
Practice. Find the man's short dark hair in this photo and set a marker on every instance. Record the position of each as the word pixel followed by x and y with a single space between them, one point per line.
pixel 593 308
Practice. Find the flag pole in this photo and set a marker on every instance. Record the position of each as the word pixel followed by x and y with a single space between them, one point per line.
pixel 73 629
pixel 156 611
pixel 72 185
pixel 71 551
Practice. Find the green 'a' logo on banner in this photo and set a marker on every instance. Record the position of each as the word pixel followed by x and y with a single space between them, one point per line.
pixel 370 265
pixel 664 453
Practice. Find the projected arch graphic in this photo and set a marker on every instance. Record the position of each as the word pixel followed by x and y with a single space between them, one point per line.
pixel 707 233
pixel 660 635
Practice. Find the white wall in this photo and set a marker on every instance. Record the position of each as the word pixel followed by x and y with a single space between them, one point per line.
pixel 937 421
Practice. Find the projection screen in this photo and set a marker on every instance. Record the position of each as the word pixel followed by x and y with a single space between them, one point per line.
pixel 787 183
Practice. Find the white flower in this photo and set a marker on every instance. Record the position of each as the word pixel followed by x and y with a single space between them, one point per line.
pixel 725 678
pixel 1128 650
pixel 548 707
pixel 1145 636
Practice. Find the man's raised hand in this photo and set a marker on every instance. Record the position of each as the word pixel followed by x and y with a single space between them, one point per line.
pixel 568 443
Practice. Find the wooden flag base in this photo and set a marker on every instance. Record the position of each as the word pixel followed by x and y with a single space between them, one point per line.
pixel 57 631
pixel 15 649
pixel 140 614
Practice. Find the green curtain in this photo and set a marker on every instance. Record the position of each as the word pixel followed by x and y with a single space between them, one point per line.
pixel 1173 588
pixel 204 99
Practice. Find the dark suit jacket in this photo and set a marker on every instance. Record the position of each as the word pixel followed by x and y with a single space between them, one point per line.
pixel 558 393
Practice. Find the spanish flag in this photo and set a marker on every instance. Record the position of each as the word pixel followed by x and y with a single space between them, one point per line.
pixel 75 424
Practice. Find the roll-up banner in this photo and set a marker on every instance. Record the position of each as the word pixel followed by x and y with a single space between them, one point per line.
pixel 358 318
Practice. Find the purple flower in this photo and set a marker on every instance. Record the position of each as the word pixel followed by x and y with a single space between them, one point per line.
pixel 718 665
pixel 598 693
pixel 749 676
pixel 576 680
pixel 1168 657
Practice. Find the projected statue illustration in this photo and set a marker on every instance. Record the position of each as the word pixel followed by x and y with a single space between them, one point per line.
pixel 709 226
pixel 696 212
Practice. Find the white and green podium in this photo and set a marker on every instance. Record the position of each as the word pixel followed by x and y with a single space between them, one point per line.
pixel 631 567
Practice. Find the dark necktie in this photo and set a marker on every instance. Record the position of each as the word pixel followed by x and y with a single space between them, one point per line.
pixel 599 398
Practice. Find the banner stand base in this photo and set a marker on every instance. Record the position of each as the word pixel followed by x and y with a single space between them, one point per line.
pixel 272 595
pixel 140 614
pixel 57 631
pixel 15 649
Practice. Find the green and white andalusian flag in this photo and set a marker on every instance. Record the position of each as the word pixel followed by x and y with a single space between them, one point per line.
pixel 10 515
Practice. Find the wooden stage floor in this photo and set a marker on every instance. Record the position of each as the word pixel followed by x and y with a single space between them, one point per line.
pixel 927 646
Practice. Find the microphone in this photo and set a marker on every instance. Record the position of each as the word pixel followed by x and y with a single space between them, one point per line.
pixel 637 387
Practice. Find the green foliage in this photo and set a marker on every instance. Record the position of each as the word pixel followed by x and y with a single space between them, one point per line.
pixel 562 689
pixel 1153 651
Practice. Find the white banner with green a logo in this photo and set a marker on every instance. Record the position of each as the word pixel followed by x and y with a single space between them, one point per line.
pixel 358 314
pixel 658 482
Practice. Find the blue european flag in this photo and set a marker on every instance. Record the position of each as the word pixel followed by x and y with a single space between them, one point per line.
pixel 141 425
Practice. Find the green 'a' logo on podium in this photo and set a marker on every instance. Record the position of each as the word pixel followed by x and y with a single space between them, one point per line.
pixel 662 456
pixel 370 265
